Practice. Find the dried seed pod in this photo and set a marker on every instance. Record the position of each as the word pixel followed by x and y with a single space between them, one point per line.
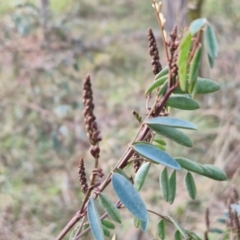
pixel 82 176
pixel 93 133
pixel 153 52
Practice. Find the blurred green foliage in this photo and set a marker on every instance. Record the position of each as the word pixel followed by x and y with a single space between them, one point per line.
pixel 42 133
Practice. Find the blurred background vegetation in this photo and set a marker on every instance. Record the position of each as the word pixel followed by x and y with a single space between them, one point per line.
pixel 46 48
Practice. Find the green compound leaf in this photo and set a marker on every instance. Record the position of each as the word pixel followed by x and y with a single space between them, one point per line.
pixel 190 185
pixel 216 173
pixel 170 122
pixel 182 102
pixel 129 196
pixel 109 207
pixel 162 73
pixel 189 165
pixel 178 227
pixel 204 86
pixel 161 229
pixel 177 235
pixel 184 49
pixel 173 134
pixel 154 154
pixel 94 220
pixel 156 84
pixel 172 187
pixel 197 25
pixel 211 42
pixel 141 175
pixel 194 68
pixel 108 224
pixel 163 179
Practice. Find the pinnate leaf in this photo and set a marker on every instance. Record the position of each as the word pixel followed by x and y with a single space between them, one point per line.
pixel 173 134
pixel 189 165
pixel 94 220
pixel 184 49
pixel 129 196
pixel 108 224
pixel 163 179
pixel 141 175
pixel 177 235
pixel 194 68
pixel 156 84
pixel 109 207
pixel 211 41
pixel 154 154
pixel 182 102
pixel 172 187
pixel 204 86
pixel 171 122
pixel 161 229
pixel 190 185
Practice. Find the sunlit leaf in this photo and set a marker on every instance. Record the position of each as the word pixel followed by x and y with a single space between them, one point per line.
pixel 211 41
pixel 161 229
pixel 182 102
pixel 171 122
pixel 216 173
pixel 194 68
pixel 172 187
pixel 178 226
pixel 162 73
pixel 156 84
pixel 109 207
pixel 189 165
pixel 190 185
pixel 197 25
pixel 129 196
pixel 141 175
pixel 177 235
pixel 154 154
pixel 205 85
pixel 163 179
pixel 94 220
pixel 161 147
pixel 108 224
pixel 173 134
pixel 184 49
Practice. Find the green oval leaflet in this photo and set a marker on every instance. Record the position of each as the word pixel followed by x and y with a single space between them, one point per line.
pixel 156 84
pixel 182 102
pixel 163 180
pixel 190 185
pixel 154 154
pixel 172 187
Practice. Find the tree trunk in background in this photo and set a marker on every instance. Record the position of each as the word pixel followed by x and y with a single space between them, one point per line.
pixel 181 12
pixel 46 18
